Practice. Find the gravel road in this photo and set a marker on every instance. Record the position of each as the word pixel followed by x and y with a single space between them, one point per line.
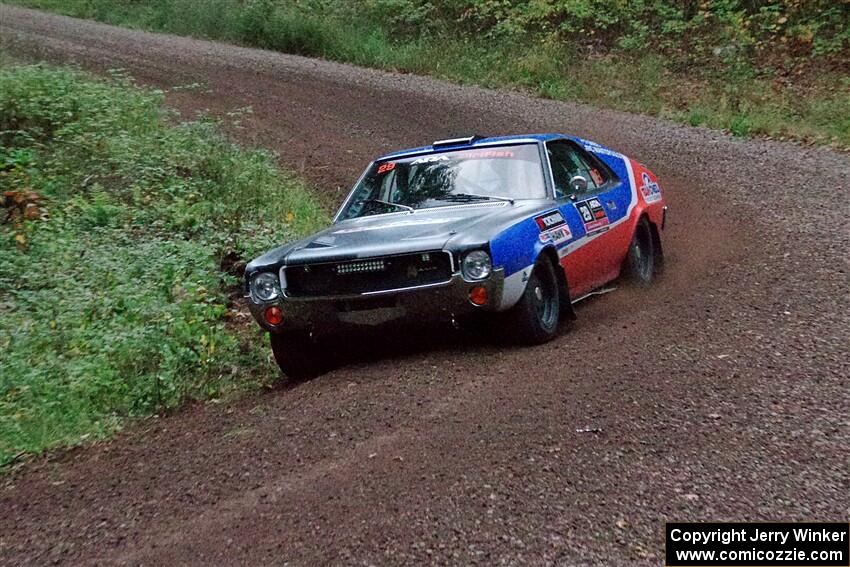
pixel 720 394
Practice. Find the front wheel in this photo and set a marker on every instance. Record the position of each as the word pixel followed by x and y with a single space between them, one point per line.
pixel 534 319
pixel 297 354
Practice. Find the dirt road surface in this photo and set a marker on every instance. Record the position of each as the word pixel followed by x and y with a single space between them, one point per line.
pixel 720 394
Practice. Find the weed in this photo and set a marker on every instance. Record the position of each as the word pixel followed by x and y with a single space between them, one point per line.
pixel 712 63
pixel 112 299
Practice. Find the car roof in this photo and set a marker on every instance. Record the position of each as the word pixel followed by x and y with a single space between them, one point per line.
pixel 474 142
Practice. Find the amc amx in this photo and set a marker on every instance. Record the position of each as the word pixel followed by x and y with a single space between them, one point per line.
pixel 513 228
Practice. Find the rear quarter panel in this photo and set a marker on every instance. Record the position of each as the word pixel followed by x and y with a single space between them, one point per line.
pixel 641 195
pixel 593 258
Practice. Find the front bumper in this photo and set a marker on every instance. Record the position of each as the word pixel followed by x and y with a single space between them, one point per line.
pixel 439 302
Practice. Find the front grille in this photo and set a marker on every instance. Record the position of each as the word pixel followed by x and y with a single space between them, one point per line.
pixel 354 277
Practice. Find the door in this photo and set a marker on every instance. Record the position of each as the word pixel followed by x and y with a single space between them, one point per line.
pixel 582 187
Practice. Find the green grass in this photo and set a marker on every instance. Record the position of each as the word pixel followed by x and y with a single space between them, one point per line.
pixel 113 300
pixel 704 70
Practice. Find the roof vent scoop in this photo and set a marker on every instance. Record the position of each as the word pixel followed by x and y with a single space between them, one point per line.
pixel 469 140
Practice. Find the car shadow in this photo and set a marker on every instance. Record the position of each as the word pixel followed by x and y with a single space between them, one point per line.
pixel 397 342
pixel 389 342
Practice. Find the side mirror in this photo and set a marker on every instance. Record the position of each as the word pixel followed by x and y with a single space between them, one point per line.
pixel 578 184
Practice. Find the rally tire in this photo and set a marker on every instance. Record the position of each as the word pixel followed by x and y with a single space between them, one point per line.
pixel 534 318
pixel 641 262
pixel 297 354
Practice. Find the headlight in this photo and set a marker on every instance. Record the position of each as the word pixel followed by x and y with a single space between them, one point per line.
pixel 265 286
pixel 476 265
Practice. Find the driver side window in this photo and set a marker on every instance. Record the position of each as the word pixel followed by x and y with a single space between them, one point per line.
pixel 567 163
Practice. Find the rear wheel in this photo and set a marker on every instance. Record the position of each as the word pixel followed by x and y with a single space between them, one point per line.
pixel 641 259
pixel 534 319
pixel 297 354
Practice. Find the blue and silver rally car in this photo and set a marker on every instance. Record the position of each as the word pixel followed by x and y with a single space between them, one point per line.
pixel 517 228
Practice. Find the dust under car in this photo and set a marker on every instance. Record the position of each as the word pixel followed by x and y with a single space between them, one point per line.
pixel 517 227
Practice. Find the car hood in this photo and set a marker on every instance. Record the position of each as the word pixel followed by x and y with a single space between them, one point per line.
pixel 398 233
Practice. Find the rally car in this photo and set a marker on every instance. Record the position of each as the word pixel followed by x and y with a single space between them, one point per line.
pixel 512 229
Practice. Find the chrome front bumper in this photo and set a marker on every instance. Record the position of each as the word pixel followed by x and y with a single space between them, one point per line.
pixel 437 302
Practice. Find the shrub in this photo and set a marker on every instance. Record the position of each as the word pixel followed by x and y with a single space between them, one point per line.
pixel 113 302
pixel 718 59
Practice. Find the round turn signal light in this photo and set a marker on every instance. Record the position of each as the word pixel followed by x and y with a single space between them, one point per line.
pixel 478 295
pixel 274 316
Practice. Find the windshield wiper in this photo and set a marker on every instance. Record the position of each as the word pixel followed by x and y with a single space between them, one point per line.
pixel 470 196
pixel 382 202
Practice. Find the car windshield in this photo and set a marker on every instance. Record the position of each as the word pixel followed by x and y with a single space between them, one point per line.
pixel 448 178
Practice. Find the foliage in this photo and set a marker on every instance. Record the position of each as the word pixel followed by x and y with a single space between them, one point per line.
pixel 113 302
pixel 686 29
pixel 765 67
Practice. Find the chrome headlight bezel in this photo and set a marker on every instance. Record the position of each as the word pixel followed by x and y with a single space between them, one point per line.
pixel 265 287
pixel 476 265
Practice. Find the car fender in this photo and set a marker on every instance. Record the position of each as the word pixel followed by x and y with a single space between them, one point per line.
pixel 516 250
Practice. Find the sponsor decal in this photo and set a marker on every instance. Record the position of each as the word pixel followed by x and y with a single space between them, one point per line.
pixel 482 154
pixel 477 154
pixel 597 149
pixel 553 227
pixel 386 167
pixel 556 236
pixel 592 214
pixel 549 220
pixel 597 177
pixel 429 159
pixel 649 189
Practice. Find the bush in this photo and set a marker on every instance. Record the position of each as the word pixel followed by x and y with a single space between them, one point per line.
pixel 767 68
pixel 113 301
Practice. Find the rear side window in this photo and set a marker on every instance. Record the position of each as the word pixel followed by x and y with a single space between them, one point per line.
pixel 567 161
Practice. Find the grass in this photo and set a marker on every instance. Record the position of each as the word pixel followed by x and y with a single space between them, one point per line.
pixel 731 94
pixel 116 227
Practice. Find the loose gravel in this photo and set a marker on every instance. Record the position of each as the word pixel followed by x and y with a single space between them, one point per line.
pixel 719 394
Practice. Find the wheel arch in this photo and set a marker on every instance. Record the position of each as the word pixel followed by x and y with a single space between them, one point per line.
pixel 655 236
pixel 656 244
pixel 550 254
